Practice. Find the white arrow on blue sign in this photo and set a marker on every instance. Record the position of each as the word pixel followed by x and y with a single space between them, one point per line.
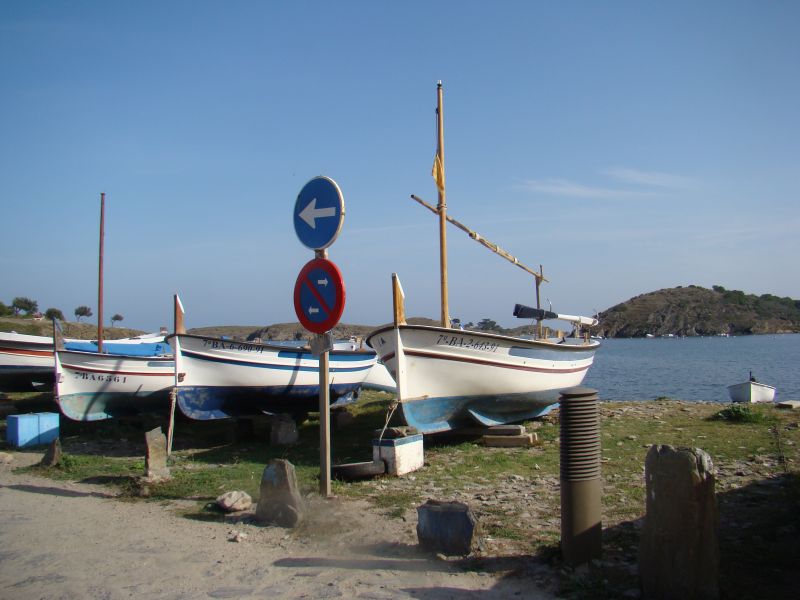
pixel 319 213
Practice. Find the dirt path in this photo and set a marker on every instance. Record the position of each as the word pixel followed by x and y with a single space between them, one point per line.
pixel 74 541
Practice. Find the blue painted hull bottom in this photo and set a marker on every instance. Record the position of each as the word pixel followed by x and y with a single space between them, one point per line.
pixel 208 403
pixel 97 407
pixel 434 415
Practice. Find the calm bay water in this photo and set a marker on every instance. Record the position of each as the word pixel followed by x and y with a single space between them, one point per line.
pixel 694 368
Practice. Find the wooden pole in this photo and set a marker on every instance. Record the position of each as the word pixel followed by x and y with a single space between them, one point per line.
pixel 398 300
pixel 442 206
pixel 100 275
pixel 178 327
pixel 324 417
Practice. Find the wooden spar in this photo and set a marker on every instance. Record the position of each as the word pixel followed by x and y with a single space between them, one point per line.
pixel 398 301
pixel 442 207
pixel 179 315
pixel 484 242
pixel 100 275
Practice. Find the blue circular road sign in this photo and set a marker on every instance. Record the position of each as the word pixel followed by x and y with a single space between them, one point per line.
pixel 319 213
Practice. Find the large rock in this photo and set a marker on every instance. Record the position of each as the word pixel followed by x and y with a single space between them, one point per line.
pixel 280 502
pixel 234 501
pixel 449 528
pixel 156 468
pixel 52 458
pixel 679 546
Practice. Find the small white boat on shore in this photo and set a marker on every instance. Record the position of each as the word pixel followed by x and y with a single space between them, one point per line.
pixel 751 391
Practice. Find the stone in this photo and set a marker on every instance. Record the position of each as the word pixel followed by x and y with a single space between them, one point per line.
pixel 448 528
pixel 679 545
pixel 52 457
pixel 283 431
pixel 156 468
pixel 234 501
pixel 525 440
pixel 280 502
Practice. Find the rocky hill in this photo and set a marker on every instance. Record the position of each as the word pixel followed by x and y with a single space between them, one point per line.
pixel 694 310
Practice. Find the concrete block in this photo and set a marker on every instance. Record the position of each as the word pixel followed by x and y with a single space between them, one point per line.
pixel 401 455
pixel 508 441
pixel 447 527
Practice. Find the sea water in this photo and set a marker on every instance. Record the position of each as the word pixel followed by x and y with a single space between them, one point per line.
pixel 694 368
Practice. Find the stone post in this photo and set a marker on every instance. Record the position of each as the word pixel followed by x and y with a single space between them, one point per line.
pixel 679 546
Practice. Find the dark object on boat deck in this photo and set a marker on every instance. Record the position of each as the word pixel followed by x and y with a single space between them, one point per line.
pixel 527 312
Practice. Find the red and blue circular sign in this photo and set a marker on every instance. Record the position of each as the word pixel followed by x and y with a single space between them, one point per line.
pixel 319 295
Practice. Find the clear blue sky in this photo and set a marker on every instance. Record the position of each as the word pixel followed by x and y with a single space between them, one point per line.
pixel 625 146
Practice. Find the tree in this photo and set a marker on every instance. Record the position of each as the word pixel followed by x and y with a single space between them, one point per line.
pixel 24 304
pixel 487 325
pixel 53 313
pixel 83 311
pixel 5 310
pixel 116 317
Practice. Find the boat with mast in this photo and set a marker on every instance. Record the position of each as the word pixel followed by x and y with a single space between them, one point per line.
pixel 451 378
pixel 99 380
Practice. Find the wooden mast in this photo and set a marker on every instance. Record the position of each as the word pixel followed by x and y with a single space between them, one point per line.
pixel 438 167
pixel 100 275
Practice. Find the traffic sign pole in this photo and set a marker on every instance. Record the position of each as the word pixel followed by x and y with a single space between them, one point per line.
pixel 324 414
pixel 319 293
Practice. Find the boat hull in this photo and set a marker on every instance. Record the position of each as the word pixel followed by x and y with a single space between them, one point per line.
pixel 93 387
pixel 217 378
pixel 448 379
pixel 25 362
pixel 751 391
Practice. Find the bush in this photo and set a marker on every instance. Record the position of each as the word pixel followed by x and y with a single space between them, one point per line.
pixel 740 413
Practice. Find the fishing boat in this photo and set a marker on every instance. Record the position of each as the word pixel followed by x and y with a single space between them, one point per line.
pixel 450 378
pixel 98 379
pixel 751 391
pixel 217 378
pixel 26 361
pixel 92 386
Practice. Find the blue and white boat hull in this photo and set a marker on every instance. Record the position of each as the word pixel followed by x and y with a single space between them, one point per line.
pixel 448 378
pixel 92 387
pixel 217 378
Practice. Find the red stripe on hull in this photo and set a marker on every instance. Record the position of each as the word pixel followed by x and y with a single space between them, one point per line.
pixel 23 352
pixel 487 363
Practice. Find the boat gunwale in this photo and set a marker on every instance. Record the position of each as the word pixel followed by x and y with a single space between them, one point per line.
pixel 591 345
pixel 297 349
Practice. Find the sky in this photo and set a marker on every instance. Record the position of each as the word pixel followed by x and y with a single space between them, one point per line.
pixel 624 146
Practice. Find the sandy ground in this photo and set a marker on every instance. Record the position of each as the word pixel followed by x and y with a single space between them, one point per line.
pixel 66 540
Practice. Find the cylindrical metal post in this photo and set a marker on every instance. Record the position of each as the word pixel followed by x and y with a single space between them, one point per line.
pixel 581 485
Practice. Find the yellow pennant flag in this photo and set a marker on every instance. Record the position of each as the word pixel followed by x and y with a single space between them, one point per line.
pixel 438 173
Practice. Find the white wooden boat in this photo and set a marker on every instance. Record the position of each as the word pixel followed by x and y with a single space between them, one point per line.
pixel 380 379
pixel 218 378
pixel 26 361
pixel 91 386
pixel 751 391
pixel 448 378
